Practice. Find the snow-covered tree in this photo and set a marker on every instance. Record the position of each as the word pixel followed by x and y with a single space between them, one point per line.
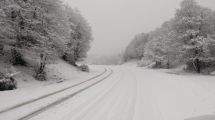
pixel 191 25
pixel 161 47
pixel 37 26
pixel 187 38
pixel 135 49
pixel 42 29
pixel 80 37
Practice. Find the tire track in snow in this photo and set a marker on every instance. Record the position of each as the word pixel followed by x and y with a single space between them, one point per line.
pixel 106 105
pixel 131 106
pixel 83 114
pixel 29 116
pixel 118 104
pixel 146 106
pixel 50 94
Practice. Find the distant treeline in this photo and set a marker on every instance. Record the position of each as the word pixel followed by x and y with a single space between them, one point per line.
pixel 188 38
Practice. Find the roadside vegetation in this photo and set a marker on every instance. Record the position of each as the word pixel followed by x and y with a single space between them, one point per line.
pixel 35 33
pixel 187 39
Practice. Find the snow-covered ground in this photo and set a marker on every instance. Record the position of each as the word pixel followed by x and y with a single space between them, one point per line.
pixel 132 93
pixel 60 75
pixel 131 63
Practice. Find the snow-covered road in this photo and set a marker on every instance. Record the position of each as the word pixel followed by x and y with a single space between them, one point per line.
pixel 132 93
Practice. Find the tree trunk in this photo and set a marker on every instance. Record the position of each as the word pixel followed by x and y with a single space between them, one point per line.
pixel 197 61
pixel 41 73
pixel 42 62
pixel 1 49
pixel 197 65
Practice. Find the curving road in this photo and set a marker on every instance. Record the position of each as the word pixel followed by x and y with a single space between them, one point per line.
pixel 132 93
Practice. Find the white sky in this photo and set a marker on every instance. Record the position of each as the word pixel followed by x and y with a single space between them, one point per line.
pixel 115 22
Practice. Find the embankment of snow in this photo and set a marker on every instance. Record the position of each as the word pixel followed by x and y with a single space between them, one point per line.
pixel 60 75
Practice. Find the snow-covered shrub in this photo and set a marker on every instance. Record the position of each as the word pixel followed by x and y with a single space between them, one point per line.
pixel 157 64
pixel 40 69
pixel 7 82
pixel 84 68
pixel 206 66
pixel 144 62
pixel 69 58
pixel 40 74
pixel 17 58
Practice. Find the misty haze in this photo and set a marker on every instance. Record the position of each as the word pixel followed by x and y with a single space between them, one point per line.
pixel 107 60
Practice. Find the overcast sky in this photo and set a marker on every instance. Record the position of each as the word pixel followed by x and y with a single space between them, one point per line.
pixel 115 22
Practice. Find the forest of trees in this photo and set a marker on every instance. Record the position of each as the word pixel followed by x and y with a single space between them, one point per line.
pixel 34 32
pixel 188 38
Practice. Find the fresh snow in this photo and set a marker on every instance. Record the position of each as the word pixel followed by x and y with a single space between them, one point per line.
pixel 64 76
pixel 132 93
